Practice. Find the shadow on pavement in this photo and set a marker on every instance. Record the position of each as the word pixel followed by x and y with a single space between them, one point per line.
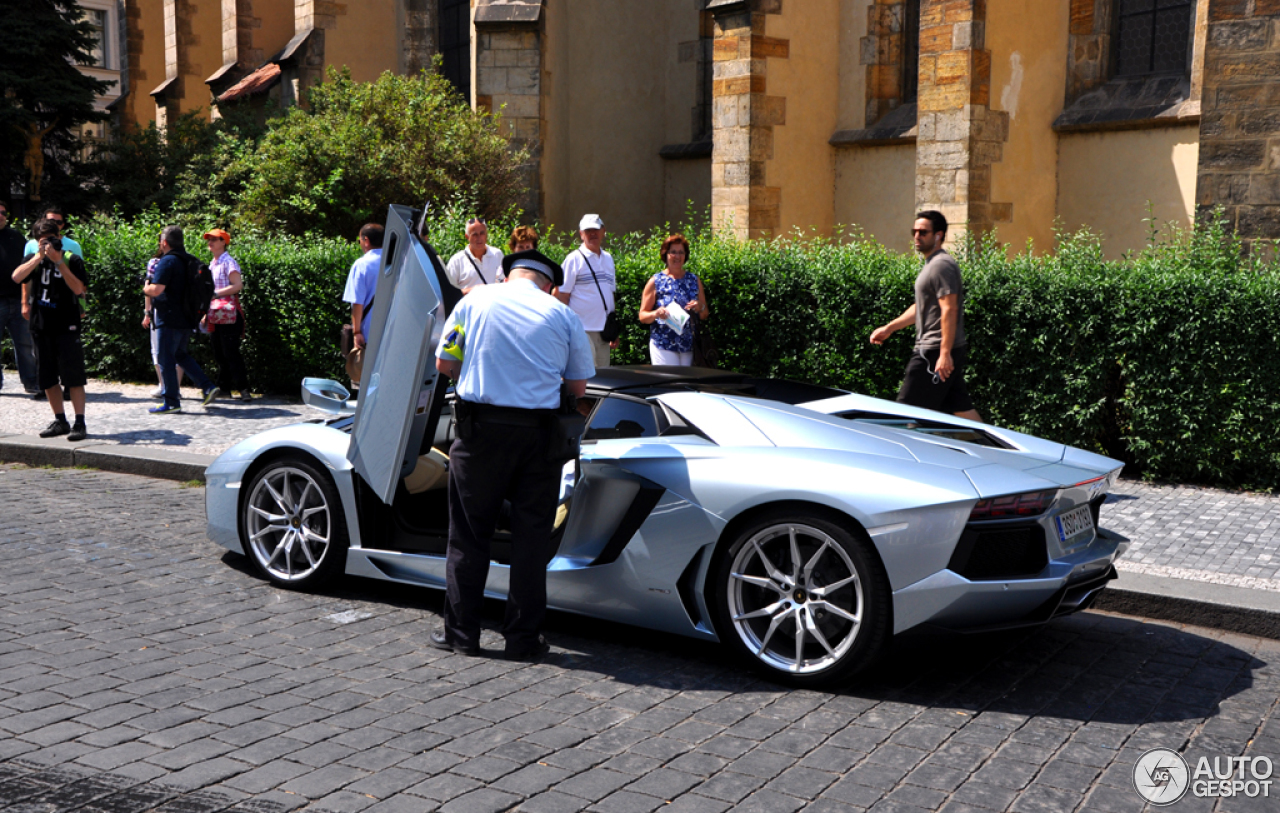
pixel 145 437
pixel 1088 667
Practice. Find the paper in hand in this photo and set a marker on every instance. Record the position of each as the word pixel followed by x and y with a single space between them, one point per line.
pixel 677 317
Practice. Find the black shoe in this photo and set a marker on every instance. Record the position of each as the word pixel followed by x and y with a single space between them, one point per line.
pixel 531 654
pixel 56 428
pixel 440 640
pixel 77 432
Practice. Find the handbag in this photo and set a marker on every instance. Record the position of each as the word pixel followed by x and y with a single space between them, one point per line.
pixel 611 329
pixel 223 310
pixel 705 352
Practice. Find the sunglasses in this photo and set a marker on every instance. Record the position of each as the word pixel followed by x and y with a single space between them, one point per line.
pixel 921 231
pixel 4 213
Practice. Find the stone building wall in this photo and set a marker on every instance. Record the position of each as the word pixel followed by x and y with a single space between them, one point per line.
pixel 1239 165
pixel 959 136
pixel 743 116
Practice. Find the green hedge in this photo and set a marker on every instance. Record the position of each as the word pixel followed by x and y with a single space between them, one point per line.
pixel 1167 360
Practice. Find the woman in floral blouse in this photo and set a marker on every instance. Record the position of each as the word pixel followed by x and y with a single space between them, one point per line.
pixel 673 285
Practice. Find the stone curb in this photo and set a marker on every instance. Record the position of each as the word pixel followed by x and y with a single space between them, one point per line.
pixel 1202 604
pixel 147 461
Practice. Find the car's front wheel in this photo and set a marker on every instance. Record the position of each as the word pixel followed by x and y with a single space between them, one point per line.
pixel 803 599
pixel 293 525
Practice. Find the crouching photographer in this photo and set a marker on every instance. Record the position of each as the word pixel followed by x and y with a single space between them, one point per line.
pixel 52 280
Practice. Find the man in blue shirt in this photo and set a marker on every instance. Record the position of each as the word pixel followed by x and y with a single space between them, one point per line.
pixel 362 284
pixel 509 348
pixel 167 288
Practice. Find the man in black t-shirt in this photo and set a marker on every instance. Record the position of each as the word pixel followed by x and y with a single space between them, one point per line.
pixel 56 279
pixel 167 288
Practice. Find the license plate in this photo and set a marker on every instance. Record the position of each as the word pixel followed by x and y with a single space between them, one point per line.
pixel 1075 521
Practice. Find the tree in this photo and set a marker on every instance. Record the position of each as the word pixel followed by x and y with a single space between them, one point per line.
pixel 138 169
pixel 363 145
pixel 43 96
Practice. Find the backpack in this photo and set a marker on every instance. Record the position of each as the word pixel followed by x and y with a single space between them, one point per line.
pixel 198 291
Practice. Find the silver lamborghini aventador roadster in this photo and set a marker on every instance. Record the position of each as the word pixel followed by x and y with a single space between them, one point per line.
pixel 801 526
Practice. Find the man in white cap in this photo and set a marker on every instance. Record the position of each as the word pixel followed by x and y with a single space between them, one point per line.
pixel 509 348
pixel 589 285
pixel 477 264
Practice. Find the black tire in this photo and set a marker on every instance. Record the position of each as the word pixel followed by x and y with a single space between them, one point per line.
pixel 292 525
pixel 768 602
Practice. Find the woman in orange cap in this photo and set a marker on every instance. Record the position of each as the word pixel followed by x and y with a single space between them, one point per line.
pixel 225 320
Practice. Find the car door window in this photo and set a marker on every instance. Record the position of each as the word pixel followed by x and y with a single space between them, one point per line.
pixel 621 418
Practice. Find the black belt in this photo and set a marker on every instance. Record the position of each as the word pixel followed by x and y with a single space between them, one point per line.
pixel 510 416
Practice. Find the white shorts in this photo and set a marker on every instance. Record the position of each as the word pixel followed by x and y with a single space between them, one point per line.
pixel 669 358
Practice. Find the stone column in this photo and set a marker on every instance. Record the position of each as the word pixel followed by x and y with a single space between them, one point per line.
pixel 959 136
pixel 508 80
pixel 238 54
pixel 169 94
pixel 743 117
pixel 1239 165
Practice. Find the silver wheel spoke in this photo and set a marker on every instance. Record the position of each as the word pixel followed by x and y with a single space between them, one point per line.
pixel 795 555
pixel 302 500
pixel 761 613
pixel 773 627
pixel 813 562
pixel 769 568
pixel 758 582
pixel 307 513
pixel 276 495
pixel 269 517
pixel 270 529
pixel 825 590
pixel 817 634
pixel 840 611
pixel 799 664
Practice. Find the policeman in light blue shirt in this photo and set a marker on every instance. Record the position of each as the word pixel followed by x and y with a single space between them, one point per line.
pixel 509 348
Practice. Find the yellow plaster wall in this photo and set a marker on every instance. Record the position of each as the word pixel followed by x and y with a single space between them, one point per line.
pixel 875 191
pixel 609 110
pixel 203 53
pixel 364 40
pixel 275 27
pixel 851 109
pixel 1028 44
pixel 804 163
pixel 686 183
pixel 1107 179
pixel 146 70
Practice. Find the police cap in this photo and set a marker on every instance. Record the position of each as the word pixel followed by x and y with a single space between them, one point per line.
pixel 534 260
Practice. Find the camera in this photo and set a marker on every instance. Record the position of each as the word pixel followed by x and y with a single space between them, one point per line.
pixel 54 243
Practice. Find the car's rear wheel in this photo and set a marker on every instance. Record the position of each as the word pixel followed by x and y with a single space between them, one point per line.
pixel 293 525
pixel 802 598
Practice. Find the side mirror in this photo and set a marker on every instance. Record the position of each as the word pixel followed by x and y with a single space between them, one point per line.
pixel 327 396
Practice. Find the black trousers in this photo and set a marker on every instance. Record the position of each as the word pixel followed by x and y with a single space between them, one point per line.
pixel 226 352
pixel 497 462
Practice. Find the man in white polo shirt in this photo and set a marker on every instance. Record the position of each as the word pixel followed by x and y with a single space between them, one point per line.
pixel 589 285
pixel 477 264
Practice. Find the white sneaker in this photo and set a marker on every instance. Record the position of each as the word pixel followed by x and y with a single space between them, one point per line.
pixel 158 392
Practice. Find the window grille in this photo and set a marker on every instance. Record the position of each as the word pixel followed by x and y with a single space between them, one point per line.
pixel 1153 36
pixel 455 44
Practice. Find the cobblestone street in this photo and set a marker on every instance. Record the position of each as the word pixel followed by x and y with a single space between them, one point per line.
pixel 144 668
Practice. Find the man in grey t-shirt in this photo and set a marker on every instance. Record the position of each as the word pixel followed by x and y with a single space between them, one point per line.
pixel 935 374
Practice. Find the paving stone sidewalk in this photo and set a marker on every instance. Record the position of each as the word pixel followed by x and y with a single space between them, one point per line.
pixel 117 414
pixel 143 668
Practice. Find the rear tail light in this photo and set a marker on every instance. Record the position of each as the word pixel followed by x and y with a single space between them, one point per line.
pixel 1029 504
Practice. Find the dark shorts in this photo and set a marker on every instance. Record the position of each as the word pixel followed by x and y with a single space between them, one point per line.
pixel 921 389
pixel 59 357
